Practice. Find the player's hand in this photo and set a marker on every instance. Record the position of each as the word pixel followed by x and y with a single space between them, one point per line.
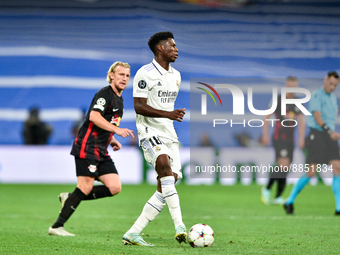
pixel 124 132
pixel 265 140
pixel 115 144
pixel 335 136
pixel 177 115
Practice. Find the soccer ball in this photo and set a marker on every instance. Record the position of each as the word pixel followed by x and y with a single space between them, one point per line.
pixel 201 235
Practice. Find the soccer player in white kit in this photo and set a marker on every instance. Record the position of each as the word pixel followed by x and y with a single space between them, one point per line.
pixel 155 88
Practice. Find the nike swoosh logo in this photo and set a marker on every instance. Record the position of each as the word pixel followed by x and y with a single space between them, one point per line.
pixel 114 110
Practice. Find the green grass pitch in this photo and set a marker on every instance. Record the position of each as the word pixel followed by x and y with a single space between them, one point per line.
pixel 242 224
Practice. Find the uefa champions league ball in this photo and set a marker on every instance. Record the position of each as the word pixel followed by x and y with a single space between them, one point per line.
pixel 201 235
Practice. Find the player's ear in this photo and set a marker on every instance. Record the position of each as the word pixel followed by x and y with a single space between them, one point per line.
pixel 325 79
pixel 112 75
pixel 159 48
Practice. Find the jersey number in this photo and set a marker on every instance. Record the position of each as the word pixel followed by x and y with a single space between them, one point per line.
pixel 154 141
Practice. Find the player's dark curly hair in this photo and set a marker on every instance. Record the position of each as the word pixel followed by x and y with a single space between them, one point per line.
pixel 157 38
pixel 333 74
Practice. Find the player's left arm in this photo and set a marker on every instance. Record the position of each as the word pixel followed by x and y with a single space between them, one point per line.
pixel 301 130
pixel 265 140
pixel 115 144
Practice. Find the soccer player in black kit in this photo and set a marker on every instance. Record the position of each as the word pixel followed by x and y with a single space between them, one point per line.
pixel 283 142
pixel 90 147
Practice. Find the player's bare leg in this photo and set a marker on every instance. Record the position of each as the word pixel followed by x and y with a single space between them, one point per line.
pixel 111 183
pixel 111 187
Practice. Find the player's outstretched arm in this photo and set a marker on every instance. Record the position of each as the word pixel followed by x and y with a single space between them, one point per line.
pixel 97 119
pixel 142 108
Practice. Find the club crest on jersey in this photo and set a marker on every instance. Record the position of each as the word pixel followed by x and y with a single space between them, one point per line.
pixel 177 83
pixel 115 121
pixel 157 148
pixel 92 168
pixel 284 153
pixel 142 84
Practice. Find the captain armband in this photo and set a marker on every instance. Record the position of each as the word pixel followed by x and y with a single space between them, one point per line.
pixel 326 129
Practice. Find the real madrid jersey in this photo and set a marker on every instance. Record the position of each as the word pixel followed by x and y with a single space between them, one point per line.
pixel 160 87
pixel 92 141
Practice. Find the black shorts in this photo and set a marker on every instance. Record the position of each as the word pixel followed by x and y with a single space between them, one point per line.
pixel 94 168
pixel 321 148
pixel 283 149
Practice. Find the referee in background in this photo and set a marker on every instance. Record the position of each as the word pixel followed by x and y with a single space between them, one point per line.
pixel 322 141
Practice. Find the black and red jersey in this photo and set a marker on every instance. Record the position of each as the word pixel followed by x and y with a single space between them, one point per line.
pixel 281 132
pixel 92 141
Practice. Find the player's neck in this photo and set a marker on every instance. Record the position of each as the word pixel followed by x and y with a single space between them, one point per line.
pixel 163 63
pixel 327 92
pixel 118 92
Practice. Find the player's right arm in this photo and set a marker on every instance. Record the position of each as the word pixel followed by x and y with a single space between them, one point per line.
pixel 97 119
pixel 141 87
pixel 265 140
pixel 142 108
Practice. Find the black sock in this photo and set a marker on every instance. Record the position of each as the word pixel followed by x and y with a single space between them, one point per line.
pixel 270 183
pixel 281 186
pixel 70 206
pixel 99 191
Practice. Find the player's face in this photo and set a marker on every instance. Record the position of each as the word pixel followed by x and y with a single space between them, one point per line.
pixel 170 51
pixel 291 84
pixel 330 84
pixel 120 77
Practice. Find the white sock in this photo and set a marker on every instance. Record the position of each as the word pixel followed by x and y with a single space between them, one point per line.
pixel 171 197
pixel 150 211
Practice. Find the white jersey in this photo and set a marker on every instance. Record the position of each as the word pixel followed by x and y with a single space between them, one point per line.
pixel 160 87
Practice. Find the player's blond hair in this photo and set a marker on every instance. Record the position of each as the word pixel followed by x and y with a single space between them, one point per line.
pixel 113 67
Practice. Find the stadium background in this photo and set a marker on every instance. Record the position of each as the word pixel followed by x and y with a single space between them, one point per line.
pixel 55 55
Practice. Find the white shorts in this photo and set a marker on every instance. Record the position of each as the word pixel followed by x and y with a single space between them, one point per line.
pixel 154 146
